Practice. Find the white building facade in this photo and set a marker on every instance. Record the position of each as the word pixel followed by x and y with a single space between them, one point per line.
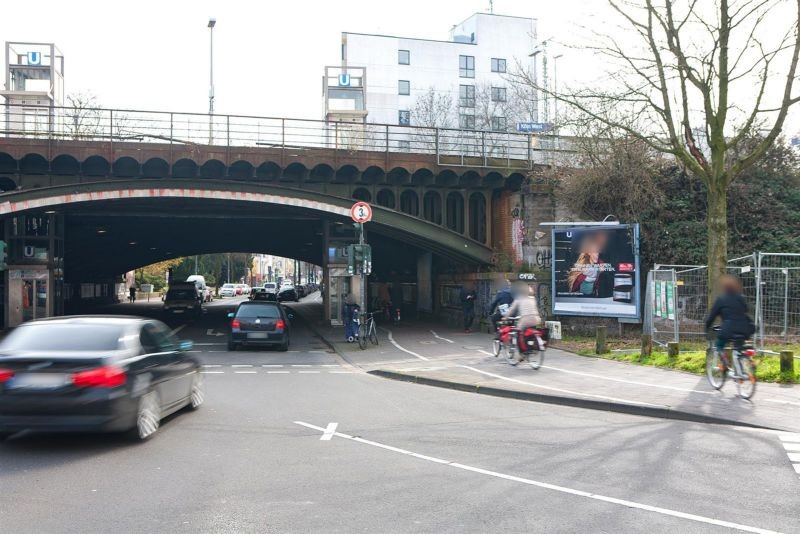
pixel 460 83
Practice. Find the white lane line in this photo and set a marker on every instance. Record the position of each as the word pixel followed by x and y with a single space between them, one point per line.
pixel 210 365
pixel 578 393
pixel 212 372
pixel 437 336
pixel 796 468
pixel 791 447
pixel 278 372
pixel 328 432
pixel 318 352
pixel 241 365
pixel 486 352
pixel 342 372
pixel 208 344
pixel 622 380
pixel 330 365
pixel 790 437
pixel 272 365
pixel 215 351
pixel 245 372
pixel 794 456
pixel 178 329
pixel 309 372
pixel 393 342
pixel 548 486
pixel 300 365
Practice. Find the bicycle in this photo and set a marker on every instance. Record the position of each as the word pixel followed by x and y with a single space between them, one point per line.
pixel 718 367
pixel 367 330
pixel 535 344
pixel 502 343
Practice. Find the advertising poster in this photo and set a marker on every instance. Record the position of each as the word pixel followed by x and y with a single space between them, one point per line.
pixel 596 271
pixel 657 299
pixel 670 301
pixel 662 301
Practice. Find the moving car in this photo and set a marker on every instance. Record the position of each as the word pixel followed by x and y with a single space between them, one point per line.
pixel 301 291
pixel 182 298
pixel 202 288
pixel 242 289
pixel 288 294
pixel 227 290
pixel 271 287
pixel 259 323
pixel 95 373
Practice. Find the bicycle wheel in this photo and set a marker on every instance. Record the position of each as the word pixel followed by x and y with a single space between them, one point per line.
pixel 373 333
pixel 536 359
pixel 746 382
pixel 715 369
pixel 511 350
pixel 497 346
pixel 362 336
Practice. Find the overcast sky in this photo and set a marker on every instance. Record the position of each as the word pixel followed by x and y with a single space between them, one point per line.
pixel 269 54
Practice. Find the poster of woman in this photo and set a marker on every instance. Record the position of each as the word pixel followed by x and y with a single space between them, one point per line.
pixel 596 271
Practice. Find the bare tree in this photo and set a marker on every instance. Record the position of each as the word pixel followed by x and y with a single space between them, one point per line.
pixel 679 68
pixel 433 109
pixel 82 117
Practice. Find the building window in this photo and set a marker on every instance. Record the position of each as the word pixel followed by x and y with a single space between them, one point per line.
pixel 466 122
pixel 409 202
pixel 499 124
pixel 432 207
pixel 498 64
pixel 466 66
pixel 466 96
pixel 404 117
pixel 403 87
pixel 455 212
pixel 386 198
pixel 362 194
pixel 477 217
pixel 404 57
pixel 498 94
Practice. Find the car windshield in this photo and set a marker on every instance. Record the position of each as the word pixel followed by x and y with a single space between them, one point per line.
pixel 250 310
pixel 181 294
pixel 227 286
pixel 63 337
pixel 269 286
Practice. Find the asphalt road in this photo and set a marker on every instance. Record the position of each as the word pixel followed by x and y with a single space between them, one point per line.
pixel 302 442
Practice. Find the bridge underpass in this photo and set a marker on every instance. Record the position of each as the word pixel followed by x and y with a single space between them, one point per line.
pixel 105 229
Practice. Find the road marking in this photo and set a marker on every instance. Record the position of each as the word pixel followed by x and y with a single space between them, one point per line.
pixel 300 365
pixel 318 352
pixel 791 437
pixel 208 344
pixel 782 402
pixel 486 352
pixel 278 372
pixel 309 372
pixel 245 372
pixel 545 485
pixel 212 365
pixel 792 447
pixel 330 365
pixel 181 327
pixel 397 345
pixel 328 432
pixel 241 365
pixel 622 380
pixel 603 397
pixel 215 351
pixel 272 365
pixel 437 336
pixel 342 372
pixel 212 372
pixel 213 333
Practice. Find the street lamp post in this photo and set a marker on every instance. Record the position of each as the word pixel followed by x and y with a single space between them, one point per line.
pixel 211 23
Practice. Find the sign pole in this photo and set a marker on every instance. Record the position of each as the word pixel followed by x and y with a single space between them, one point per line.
pixel 363 270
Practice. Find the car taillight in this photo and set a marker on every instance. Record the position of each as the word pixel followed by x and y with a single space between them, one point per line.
pixel 235 323
pixel 280 325
pixel 102 377
pixel 5 375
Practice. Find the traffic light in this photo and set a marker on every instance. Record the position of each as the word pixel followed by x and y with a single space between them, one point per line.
pixel 359 259
pixel 3 256
pixel 351 265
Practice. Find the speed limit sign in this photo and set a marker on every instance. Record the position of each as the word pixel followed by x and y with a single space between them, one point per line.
pixel 361 212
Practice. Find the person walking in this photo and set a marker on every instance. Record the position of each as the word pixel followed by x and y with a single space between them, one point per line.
pixel 468 297
pixel 132 294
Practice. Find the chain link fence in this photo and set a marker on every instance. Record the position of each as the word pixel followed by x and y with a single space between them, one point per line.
pixel 677 298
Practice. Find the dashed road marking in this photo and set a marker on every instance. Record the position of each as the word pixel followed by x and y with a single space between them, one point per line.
pixel 300 365
pixel 543 485
pixel 245 372
pixel 791 442
pixel 309 372
pixel 278 372
pixel 241 365
pixel 212 372
pixel 272 365
pixel 212 365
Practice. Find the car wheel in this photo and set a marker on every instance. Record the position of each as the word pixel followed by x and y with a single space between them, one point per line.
pixel 148 417
pixel 231 346
pixel 197 394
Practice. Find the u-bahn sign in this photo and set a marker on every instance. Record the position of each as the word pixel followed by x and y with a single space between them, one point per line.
pixel 361 212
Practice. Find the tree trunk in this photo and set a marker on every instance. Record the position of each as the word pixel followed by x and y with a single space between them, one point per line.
pixel 717 222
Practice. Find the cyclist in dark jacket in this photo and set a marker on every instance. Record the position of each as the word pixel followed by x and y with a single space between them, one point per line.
pixel 502 301
pixel 732 308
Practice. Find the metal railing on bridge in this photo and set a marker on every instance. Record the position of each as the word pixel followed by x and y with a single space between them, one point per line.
pixel 453 147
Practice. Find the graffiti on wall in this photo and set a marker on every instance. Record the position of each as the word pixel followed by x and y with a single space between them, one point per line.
pixel 543 299
pixel 517 235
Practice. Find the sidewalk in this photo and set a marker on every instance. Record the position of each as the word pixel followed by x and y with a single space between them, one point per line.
pixel 438 356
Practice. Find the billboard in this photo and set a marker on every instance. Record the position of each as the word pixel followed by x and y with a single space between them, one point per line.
pixel 596 271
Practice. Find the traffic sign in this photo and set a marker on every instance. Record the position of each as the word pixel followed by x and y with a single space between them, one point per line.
pixel 361 212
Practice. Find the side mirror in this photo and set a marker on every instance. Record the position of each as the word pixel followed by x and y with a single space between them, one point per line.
pixel 291 316
pixel 185 345
pixel 231 315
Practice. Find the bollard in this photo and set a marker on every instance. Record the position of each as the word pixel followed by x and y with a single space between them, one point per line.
pixel 600 340
pixel 787 364
pixel 673 349
pixel 647 345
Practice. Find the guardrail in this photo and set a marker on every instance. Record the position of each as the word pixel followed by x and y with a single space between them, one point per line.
pixel 454 147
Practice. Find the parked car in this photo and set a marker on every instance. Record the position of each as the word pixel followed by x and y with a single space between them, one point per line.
pixel 183 299
pixel 95 373
pixel 227 290
pixel 202 288
pixel 301 291
pixel 287 294
pixel 259 323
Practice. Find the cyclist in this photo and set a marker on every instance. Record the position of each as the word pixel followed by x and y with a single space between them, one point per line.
pixel 499 306
pixel 731 307
pixel 526 308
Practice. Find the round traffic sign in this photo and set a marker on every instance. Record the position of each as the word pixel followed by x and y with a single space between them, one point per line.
pixel 361 212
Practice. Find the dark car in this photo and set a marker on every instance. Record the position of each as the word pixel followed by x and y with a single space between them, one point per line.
pixel 259 323
pixel 183 300
pixel 288 294
pixel 301 291
pixel 264 296
pixel 95 374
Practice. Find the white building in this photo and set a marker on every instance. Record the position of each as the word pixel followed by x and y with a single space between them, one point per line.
pixel 34 87
pixel 467 75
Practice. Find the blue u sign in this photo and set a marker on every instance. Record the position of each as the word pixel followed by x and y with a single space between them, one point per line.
pixel 34 58
pixel 344 80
